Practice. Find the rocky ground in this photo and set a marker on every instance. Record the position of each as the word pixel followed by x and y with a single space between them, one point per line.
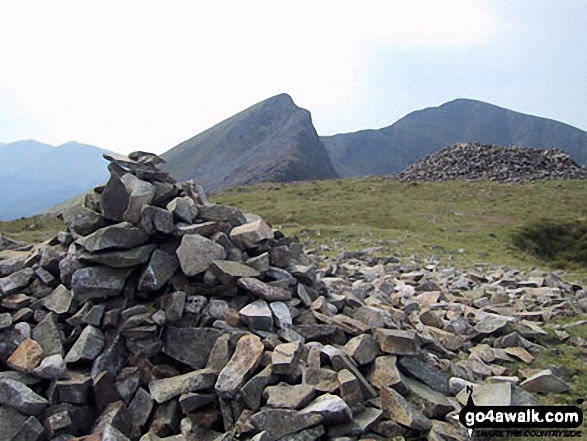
pixel 495 163
pixel 160 316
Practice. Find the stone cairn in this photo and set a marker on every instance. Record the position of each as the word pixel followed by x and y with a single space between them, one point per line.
pixel 474 161
pixel 160 316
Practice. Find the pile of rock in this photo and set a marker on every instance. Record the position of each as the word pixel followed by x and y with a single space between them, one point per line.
pixel 474 161
pixel 160 316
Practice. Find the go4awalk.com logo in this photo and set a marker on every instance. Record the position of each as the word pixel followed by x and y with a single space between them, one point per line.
pixel 521 421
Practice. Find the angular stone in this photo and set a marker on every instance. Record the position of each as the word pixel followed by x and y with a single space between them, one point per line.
pixel 121 236
pixel 174 306
pixel 489 394
pixel 26 357
pixel 260 262
pixel 362 348
pixel 350 391
pixel 5 320
pixel 384 372
pixel 47 334
pixel 281 422
pixel 432 403
pixel 263 290
pixel 30 430
pixel 257 315
pixel 15 302
pixel 156 220
pixel 491 323
pixel 251 233
pixel 545 382
pixel 289 397
pixel 191 346
pixel 20 397
pixel 12 265
pixel 74 390
pixel 397 409
pixel 222 213
pixel 331 408
pixel 120 259
pixel 196 254
pixel 520 353
pixel 16 281
pixel 430 375
pixel 285 357
pixel 98 282
pixel 397 342
pixel 359 425
pixel 52 367
pixel 252 390
pixel 227 271
pixel 140 408
pixel 114 199
pixel 282 315
pixel 192 401
pixel 82 220
pixel 341 361
pixel 167 388
pixel 87 347
pixel 59 301
pixel 160 269
pixel 244 361
pixel 184 209
pixel 117 416
pixel 140 195
pixel 322 379
pixel 10 422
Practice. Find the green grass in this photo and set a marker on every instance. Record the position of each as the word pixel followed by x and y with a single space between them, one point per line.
pixel 32 229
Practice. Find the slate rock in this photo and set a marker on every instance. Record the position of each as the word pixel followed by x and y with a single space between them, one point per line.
pixel 285 357
pixel 242 364
pixel 396 408
pixel 432 403
pixel 184 209
pixel 545 382
pixel 75 389
pixel 251 233
pixel 20 397
pixel 196 254
pixel 114 199
pixel 87 347
pixel 16 281
pixel 60 301
pixel 5 320
pixel 52 367
pixel 121 236
pixel 266 292
pixel 221 213
pixel 140 408
pixel 227 271
pixel 160 269
pixel 191 346
pixel 430 375
pixel 26 357
pixel 384 372
pixel 98 282
pixel 397 342
pixel 164 389
pixel 10 422
pixel 120 259
pixel 252 391
pixel 331 408
pixel 140 195
pixel 281 422
pixel 362 348
pixel 156 220
pixel 47 334
pixel 82 220
pixel 257 315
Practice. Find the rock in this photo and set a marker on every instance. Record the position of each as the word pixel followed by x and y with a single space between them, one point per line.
pixel 227 271
pixel 384 372
pixel 191 346
pixel 117 416
pixel 281 314
pixel 5 320
pixel 16 281
pixel 52 367
pixel 167 388
pixel 140 195
pixel 396 408
pixel 160 269
pixel 184 209
pixel 430 375
pixel 26 357
pixel 397 342
pixel 545 382
pixel 331 408
pixel 196 254
pixel 12 265
pixel 359 425
pixel 266 292
pixel 47 334
pixel 140 408
pixel 222 213
pixel 281 422
pixel 257 315
pixel 244 361
pixel 82 220
pixel 10 422
pixel 98 282
pixel 432 403
pixel 322 379
pixel 289 397
pixel 30 430
pixel 520 353
pixel 350 391
pixel 120 259
pixel 192 401
pixel 156 220
pixel 362 348
pixel 285 358
pixel 114 199
pixel 87 347
pixel 121 236
pixel 59 301
pixel 251 233
pixel 18 396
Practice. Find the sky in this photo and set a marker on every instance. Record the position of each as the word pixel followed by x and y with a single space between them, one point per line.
pixel 137 75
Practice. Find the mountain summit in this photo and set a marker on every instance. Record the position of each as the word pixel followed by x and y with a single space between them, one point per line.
pixel 274 140
pixel 393 148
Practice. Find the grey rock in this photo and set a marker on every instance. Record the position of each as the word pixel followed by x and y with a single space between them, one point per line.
pixel 174 306
pixel 432 403
pixel 331 408
pixel 281 314
pixel 5 320
pixel 285 357
pixel 52 367
pixel 196 254
pixel 98 282
pixel 322 379
pixel 82 220
pixel 167 388
pixel 11 265
pixel 281 422
pixel 10 422
pixel 360 423
pixel 59 301
pixel 30 430
pixel 119 259
pixel 241 366
pixel 46 333
pixel 227 271
pixel 121 236
pixel 341 361
pixel 184 209
pixel 140 195
pixel 384 372
pixel 20 397
pixel 87 347
pixel 310 434
pixel 397 342
pixel 195 400
pixel 260 262
pixel 140 408
pixel 156 220
pixel 114 199
pixel 251 233
pixel 222 213
pixel 396 408
pixel 432 376
pixel 362 348
pixel 257 315
pixel 545 382
pixel 350 391
pixel 191 346
pixel 289 397
pixel 16 281
pixel 160 269
pixel 263 290
pixel 252 391
pixel 117 416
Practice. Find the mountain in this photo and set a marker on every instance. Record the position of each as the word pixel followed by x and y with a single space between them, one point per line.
pixel 393 148
pixel 35 176
pixel 274 140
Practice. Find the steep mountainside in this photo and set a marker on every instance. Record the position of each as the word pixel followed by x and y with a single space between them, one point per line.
pixel 391 149
pixel 35 176
pixel 274 140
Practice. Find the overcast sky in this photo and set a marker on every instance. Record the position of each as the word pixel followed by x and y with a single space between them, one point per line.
pixel 130 75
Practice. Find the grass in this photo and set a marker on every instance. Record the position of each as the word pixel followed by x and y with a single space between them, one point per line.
pixel 32 229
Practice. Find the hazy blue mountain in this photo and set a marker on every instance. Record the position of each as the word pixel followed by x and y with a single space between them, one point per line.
pixel 35 176
pixel 393 148
pixel 274 140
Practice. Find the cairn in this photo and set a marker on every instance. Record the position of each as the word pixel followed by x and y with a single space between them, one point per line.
pixel 160 316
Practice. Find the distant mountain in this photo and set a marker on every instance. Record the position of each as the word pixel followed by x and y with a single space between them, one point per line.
pixel 35 176
pixel 274 140
pixel 393 148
